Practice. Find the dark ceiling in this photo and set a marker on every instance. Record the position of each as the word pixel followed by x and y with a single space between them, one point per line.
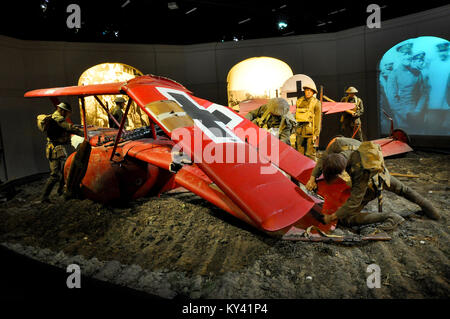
pixel 192 22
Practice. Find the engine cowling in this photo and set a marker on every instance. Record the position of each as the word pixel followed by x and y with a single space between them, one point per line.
pixel 114 181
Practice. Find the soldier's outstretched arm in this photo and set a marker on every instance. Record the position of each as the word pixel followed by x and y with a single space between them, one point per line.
pixel 360 180
pixel 252 114
pixel 69 127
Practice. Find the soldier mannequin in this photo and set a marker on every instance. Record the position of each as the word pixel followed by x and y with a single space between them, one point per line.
pixel 367 180
pixel 275 118
pixel 117 112
pixel 350 120
pixel 308 116
pixel 58 136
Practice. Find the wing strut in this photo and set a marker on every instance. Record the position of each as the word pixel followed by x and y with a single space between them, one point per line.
pixel 122 124
pixel 83 108
pixel 106 110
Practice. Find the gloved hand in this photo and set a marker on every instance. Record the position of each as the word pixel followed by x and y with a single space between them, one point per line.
pixel 311 184
pixel 329 218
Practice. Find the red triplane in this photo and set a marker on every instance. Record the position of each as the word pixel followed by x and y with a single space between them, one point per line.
pixel 231 162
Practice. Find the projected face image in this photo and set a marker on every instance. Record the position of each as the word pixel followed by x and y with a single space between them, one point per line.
pixel 414 86
pixel 418 61
pixel 443 50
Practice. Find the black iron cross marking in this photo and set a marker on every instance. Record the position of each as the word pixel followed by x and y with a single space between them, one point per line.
pixel 207 119
pixel 298 92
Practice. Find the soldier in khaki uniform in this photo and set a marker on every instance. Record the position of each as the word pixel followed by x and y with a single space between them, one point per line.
pixel 350 120
pixel 58 135
pixel 365 165
pixel 275 118
pixel 309 117
pixel 117 112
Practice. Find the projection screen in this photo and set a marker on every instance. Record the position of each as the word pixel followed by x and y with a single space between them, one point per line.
pixel 414 87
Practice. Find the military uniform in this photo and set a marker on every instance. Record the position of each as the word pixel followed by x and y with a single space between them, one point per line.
pixel 117 113
pixel 308 116
pixel 58 135
pixel 349 122
pixel 279 125
pixel 369 176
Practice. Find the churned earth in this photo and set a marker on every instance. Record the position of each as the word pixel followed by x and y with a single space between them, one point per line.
pixel 180 246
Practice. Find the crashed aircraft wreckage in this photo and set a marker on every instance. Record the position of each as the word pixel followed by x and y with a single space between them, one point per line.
pixel 204 147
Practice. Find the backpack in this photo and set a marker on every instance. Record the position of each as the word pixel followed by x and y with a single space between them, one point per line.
pixel 371 157
pixel 43 122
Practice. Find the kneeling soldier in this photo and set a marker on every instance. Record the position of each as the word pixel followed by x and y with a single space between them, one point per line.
pixel 365 164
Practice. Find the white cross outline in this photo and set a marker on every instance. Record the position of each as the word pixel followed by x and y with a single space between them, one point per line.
pixel 232 138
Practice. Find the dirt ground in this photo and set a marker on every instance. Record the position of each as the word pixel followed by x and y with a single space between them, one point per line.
pixel 195 250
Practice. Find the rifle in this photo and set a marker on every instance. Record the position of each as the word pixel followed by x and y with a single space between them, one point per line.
pixel 316 142
pixel 324 237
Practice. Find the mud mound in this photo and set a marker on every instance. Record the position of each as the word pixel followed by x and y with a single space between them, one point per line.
pixel 190 248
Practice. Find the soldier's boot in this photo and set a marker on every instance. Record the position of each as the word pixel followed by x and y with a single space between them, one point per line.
pixel 389 221
pixel 392 222
pixel 366 218
pixel 61 188
pixel 424 203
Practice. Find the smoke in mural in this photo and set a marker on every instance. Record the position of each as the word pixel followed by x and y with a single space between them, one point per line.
pixel 414 86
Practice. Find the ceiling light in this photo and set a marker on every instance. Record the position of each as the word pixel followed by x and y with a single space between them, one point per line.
pixel 192 10
pixel 124 4
pixel 243 21
pixel 44 5
pixel 282 25
pixel 172 5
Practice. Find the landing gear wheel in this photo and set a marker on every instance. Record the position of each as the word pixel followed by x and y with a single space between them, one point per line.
pixel 400 135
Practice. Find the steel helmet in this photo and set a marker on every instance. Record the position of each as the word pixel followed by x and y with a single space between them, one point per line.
pixel 119 99
pixel 311 86
pixel 278 106
pixel 65 106
pixel 351 90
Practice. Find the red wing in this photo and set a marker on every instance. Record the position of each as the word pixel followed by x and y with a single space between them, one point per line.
pixel 391 147
pixel 327 107
pixel 267 196
pixel 107 88
pixel 336 107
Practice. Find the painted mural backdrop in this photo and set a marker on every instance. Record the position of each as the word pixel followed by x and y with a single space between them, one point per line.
pixel 108 73
pixel 256 78
pixel 414 86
